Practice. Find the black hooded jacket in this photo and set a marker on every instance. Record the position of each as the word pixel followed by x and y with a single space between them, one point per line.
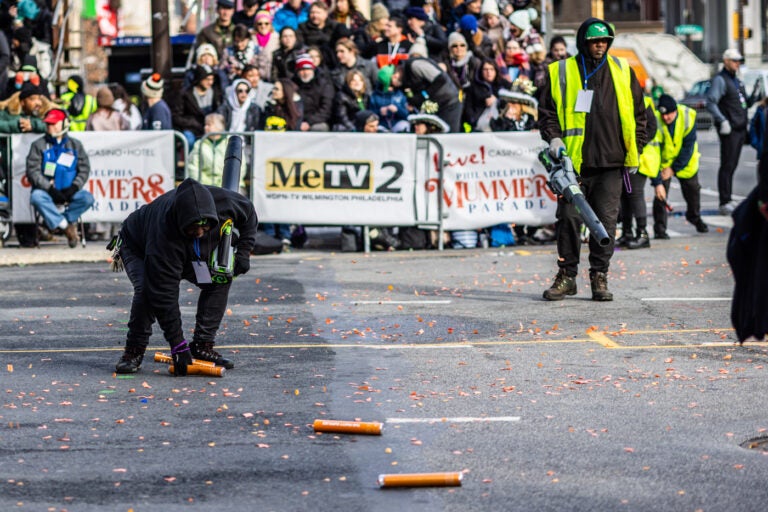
pixel 155 233
pixel 603 144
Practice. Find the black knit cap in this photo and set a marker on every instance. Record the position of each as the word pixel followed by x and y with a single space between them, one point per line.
pixel 27 90
pixel 667 104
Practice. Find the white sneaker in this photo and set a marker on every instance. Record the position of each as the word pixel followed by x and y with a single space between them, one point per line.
pixel 727 208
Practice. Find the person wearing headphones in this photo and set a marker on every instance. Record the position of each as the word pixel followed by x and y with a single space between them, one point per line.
pixel 58 168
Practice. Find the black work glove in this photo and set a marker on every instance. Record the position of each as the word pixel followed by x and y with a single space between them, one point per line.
pixel 242 262
pixel 181 356
pixel 69 192
pixel 57 195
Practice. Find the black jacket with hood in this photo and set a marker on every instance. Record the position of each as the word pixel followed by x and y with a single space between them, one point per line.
pixel 155 233
pixel 603 145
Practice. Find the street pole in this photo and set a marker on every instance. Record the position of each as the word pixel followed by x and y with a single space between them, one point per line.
pixel 740 28
pixel 161 39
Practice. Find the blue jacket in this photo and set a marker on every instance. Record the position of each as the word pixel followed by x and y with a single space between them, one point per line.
pixel 382 99
pixel 287 17
pixel 757 130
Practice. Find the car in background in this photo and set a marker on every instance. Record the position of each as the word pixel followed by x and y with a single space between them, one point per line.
pixel 696 98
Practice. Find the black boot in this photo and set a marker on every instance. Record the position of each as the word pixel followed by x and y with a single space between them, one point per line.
pixel 130 361
pixel 625 238
pixel 563 285
pixel 641 242
pixel 204 350
pixel 599 282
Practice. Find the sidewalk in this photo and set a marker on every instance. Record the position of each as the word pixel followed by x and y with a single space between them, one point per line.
pixel 324 239
pixel 52 252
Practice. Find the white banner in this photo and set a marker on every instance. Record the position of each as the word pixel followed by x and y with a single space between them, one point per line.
pixel 334 179
pixel 128 170
pixel 492 178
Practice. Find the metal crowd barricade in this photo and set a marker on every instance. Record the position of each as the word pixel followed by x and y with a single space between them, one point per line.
pixel 6 189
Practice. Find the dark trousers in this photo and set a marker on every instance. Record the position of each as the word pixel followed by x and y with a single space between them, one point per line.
pixel 603 191
pixel 633 204
pixel 211 305
pixel 691 190
pixel 730 151
pixel 451 114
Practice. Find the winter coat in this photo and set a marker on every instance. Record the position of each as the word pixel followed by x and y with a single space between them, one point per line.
pixel 366 67
pixel 107 120
pixel 187 115
pixel 11 112
pixel 265 54
pixel 747 254
pixel 36 161
pixel 219 37
pixel 272 109
pixel 231 105
pixel 323 38
pixel 284 62
pixel 287 17
pixel 345 106
pixel 155 233
pixel 381 99
pixel 317 95
pixel 206 161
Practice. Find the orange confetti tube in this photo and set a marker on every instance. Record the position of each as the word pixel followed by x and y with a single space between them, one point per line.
pixel 196 369
pixel 163 358
pixel 421 480
pixel 348 427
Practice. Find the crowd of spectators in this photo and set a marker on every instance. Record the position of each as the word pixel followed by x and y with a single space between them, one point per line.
pixel 463 66
pixel 463 61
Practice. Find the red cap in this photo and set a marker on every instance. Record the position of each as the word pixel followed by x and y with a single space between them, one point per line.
pixel 54 116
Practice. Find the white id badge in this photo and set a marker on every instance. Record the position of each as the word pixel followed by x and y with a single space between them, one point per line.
pixel 66 159
pixel 584 100
pixel 202 274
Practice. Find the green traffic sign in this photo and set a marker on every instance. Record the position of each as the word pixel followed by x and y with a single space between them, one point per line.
pixel 688 30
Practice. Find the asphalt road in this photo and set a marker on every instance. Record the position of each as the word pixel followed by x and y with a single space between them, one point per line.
pixel 640 404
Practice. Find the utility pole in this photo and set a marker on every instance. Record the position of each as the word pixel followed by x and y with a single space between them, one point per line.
pixel 161 39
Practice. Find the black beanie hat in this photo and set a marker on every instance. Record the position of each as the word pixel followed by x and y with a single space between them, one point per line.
pixel 27 90
pixel 667 104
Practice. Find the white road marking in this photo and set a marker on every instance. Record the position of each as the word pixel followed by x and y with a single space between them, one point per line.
pixel 396 302
pixel 460 419
pixel 686 299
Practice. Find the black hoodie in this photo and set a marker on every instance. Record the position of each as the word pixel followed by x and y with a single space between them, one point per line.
pixel 155 233
pixel 603 144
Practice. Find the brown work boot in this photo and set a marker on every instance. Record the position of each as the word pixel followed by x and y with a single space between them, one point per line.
pixel 599 281
pixel 204 350
pixel 563 285
pixel 71 233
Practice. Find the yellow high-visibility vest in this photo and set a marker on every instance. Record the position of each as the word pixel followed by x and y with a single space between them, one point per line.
pixel 566 83
pixel 671 144
pixel 650 158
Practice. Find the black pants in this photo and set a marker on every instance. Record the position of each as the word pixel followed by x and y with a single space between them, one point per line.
pixel 602 188
pixel 691 190
pixel 730 151
pixel 633 204
pixel 451 114
pixel 211 305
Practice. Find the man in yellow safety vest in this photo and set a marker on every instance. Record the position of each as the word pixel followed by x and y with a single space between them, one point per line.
pixel 591 108
pixel 679 157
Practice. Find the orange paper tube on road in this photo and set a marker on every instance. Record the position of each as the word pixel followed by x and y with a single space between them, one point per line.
pixel 421 480
pixel 163 358
pixel 198 369
pixel 348 427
